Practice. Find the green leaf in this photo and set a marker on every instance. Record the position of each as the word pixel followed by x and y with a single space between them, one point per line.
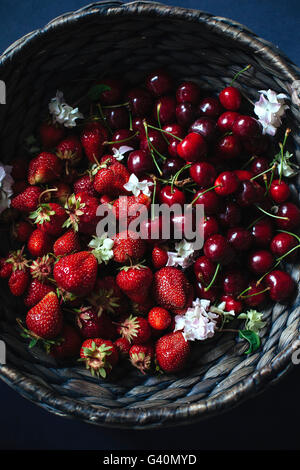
pixel 96 91
pixel 252 338
pixel 33 342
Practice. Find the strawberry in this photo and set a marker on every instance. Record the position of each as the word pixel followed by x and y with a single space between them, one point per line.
pixel 135 282
pixel 49 218
pixel 51 134
pixel 70 150
pixel 5 268
pixel 17 260
pixel 171 352
pixel 45 318
pixel 39 243
pixel 128 247
pixel 159 318
pixel 41 268
pixel 18 282
pixel 171 289
pixel 135 329
pixel 27 200
pixel 36 291
pixel 66 244
pixel 22 230
pixel 44 168
pixel 111 180
pixel 99 355
pixel 76 273
pixel 123 346
pixel 159 257
pixel 85 184
pixel 82 210
pixel 92 139
pixel 68 345
pixel 108 297
pixel 131 207
pixel 141 356
pixel 93 325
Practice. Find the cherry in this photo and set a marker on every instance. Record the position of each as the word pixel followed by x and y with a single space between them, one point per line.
pixel 281 285
pixel 230 215
pixel 171 166
pixel 244 175
pixel 208 226
pixel 174 129
pixel 262 232
pixel 138 123
pixel 228 147
pixel 151 230
pixel 279 191
pixel 218 250
pixel 260 261
pixel 233 282
pixel 172 148
pixel 114 95
pixel 209 107
pixel 185 114
pixel 140 101
pixel 254 296
pixel 117 118
pixel 226 120
pixel 121 135
pixel 211 294
pixel 206 127
pixel 159 83
pixel 204 269
pixel 188 92
pixel 227 183
pixel 230 98
pixel 140 162
pixel 292 212
pixel 169 197
pixel 181 224
pixel 259 165
pixel 246 127
pixel 167 110
pixel 240 238
pixel 156 139
pixel 256 146
pixel 249 193
pixel 282 243
pixel 192 148
pixel 210 201
pixel 232 304
pixel 203 173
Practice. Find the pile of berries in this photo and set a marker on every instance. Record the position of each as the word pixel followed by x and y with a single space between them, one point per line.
pixel 185 147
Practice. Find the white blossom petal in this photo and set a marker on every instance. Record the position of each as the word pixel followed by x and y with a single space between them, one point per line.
pixel 6 182
pixel 63 113
pixel 270 108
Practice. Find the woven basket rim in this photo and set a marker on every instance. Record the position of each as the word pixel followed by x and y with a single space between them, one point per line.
pixel 140 418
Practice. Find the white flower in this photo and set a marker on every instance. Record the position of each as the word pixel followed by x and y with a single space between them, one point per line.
pixel 62 112
pixel 6 182
pixel 270 108
pixel 183 256
pixel 102 248
pixel 120 152
pixel 253 320
pixel 294 90
pixel 198 323
pixel 285 167
pixel 136 186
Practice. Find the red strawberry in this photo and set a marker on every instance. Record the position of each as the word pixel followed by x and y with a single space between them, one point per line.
pixel 99 355
pixel 92 139
pixel 41 268
pixel 70 150
pixel 85 184
pixel 131 207
pixel 39 243
pixel 5 268
pixel 135 329
pixel 111 180
pixel 49 218
pixel 141 356
pixel 159 318
pixel 18 282
pixel 108 297
pixel 76 273
pixel 93 325
pixel 45 319
pixel 171 289
pixel 17 260
pixel 172 352
pixel 36 291
pixel 66 244
pixel 22 230
pixel 28 200
pixel 123 346
pixel 159 257
pixel 128 247
pixel 51 134
pixel 82 210
pixel 68 345
pixel 44 168
pixel 135 282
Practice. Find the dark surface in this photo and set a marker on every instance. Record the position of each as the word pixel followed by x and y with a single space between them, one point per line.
pixel 267 422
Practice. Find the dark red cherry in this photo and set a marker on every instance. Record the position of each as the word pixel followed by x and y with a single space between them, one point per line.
pixel 260 261
pixel 249 193
pixel 171 166
pixel 188 92
pixel 172 148
pixel 244 175
pixel 209 107
pixel 140 162
pixel 210 201
pixel 169 197
pixel 192 148
pixel 117 118
pixel 206 127
pixel 114 94
pixel 156 139
pixel 230 215
pixel 203 173
pixel 246 127
pixel 281 285
pixel 282 243
pixel 259 165
pixel 291 213
pixel 255 295
pixel 262 232
pixel 232 304
pixel 185 114
pixel 226 183
pixel 233 282
pixel 279 191
pixel 228 147
pixel 226 120
pixel 211 294
pixel 152 230
pixel 257 145
pixel 182 225
pixel 138 123
pixel 174 129
pixel 204 269
pixel 230 98
pixel 140 101
pixel 208 226
pixel 159 82
pixel 240 238
pixel 167 109
pixel 122 135
pixel 218 250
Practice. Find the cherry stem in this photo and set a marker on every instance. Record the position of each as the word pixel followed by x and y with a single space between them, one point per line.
pixel 115 105
pixel 165 132
pixel 244 291
pixel 176 176
pixel 213 278
pixel 121 141
pixel 239 73
pixel 103 118
pixel 203 192
pixel 255 221
pixel 278 260
pixel 252 295
pixel 130 120
pixel 153 200
pixel 271 215
pixel 272 168
pixel 247 162
pixel 290 233
pixel 159 123
pixel 281 146
pixel 151 148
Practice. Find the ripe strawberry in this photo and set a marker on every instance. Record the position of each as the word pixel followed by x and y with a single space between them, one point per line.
pixel 66 244
pixel 85 184
pixel 41 268
pixel 51 134
pixel 108 297
pixel 159 257
pixel 92 139
pixel 135 329
pixel 104 182
pixel 171 289
pixel 99 355
pixel 76 273
pixel 49 218
pixel 39 243
pixel 17 260
pixel 131 207
pixel 172 352
pixel 123 346
pixel 93 325
pixel 36 291
pixel 28 200
pixel 141 356
pixel 159 318
pixel 44 168
pixel 22 230
pixel 128 247
pixel 135 282
pixel 82 210
pixel 5 268
pixel 68 345
pixel 70 150
pixel 45 318
pixel 18 282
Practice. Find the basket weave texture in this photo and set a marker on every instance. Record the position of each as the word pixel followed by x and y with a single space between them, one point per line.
pixel 131 39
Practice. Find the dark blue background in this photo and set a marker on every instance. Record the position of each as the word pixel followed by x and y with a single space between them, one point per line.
pixel 270 421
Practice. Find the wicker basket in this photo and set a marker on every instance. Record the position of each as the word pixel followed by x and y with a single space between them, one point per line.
pixel 132 39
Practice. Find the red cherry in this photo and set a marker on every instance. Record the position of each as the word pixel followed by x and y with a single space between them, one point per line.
pixel 259 165
pixel 209 107
pixel 140 101
pixel 192 148
pixel 203 173
pixel 227 183
pixel 138 123
pixel 240 238
pixel 226 120
pixel 174 129
pixel 254 296
pixel 206 127
pixel 204 269
pixel 232 304
pixel 210 201
pixel 292 213
pixel 117 118
pixel 212 294
pixel 114 94
pixel 156 139
pixel 233 282
pixel 230 215
pixel 167 109
pixel 169 197
pixel 246 127
pixel 279 191
pixel 244 175
pixel 208 226
pixel 262 232
pixel 159 82
pixel 282 243
pixel 171 166
pixel 260 261
pixel 218 250
pixel 228 147
pixel 121 135
pixel 188 92
pixel 249 193
pixel 151 230
pixel 185 114
pixel 281 285
pixel 140 162
pixel 230 98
